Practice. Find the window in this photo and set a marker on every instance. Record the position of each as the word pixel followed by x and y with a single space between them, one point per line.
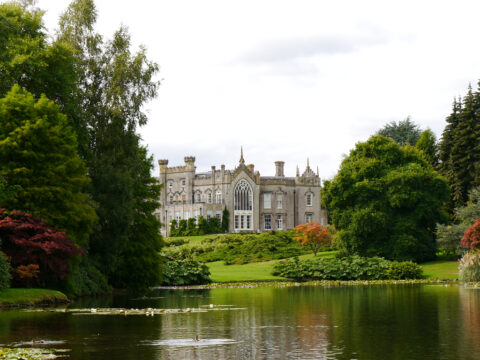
pixel 279 201
pixel 209 198
pixel 171 199
pixel 279 222
pixel 267 221
pixel 183 182
pixel 176 198
pixel 243 205
pixel 308 199
pixel 308 217
pixel 198 197
pixel 267 200
pixel 184 198
pixel 209 214
pixel 196 214
pixel 218 215
pixel 170 217
pixel 243 196
pixel 170 184
pixel 186 215
pixel 177 215
pixel 218 197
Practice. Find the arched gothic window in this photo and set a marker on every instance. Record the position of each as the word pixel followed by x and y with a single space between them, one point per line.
pixel 243 196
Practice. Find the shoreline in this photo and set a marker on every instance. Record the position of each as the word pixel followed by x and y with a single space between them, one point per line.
pixel 21 298
pixel 290 283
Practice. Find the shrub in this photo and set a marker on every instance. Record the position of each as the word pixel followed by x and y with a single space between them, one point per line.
pixel 469 267
pixel 184 272
pixel 471 239
pixel 5 276
pixel 404 270
pixel 347 268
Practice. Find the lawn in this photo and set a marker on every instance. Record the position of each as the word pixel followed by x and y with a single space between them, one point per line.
pixel 22 297
pixel 440 269
pixel 252 271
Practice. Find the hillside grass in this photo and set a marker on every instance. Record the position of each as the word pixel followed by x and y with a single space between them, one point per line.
pixel 27 297
pixel 261 271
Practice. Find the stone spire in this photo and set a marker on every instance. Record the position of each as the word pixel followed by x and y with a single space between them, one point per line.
pixel 242 161
pixel 298 171
pixel 308 163
pixel 318 174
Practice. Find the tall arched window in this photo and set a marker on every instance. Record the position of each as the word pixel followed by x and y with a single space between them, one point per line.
pixel 243 206
pixel 243 196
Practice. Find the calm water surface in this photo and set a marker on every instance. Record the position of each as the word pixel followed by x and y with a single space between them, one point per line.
pixel 376 322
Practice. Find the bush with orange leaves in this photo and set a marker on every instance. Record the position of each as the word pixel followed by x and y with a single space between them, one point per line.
pixel 314 235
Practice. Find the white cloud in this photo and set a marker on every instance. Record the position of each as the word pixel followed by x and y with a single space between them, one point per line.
pixel 291 79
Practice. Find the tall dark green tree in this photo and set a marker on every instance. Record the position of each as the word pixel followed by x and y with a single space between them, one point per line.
pixel 403 132
pixel 140 261
pixel 115 85
pixel 460 149
pixel 386 201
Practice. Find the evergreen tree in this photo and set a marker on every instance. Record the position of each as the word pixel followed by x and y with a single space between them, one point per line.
pixel 459 148
pixel 38 155
pixel 427 144
pixel 225 220
pixel 404 132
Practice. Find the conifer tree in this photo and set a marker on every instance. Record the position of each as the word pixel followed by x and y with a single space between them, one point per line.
pixel 427 144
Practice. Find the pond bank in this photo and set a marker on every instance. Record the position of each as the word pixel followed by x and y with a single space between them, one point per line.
pixel 324 283
pixel 31 297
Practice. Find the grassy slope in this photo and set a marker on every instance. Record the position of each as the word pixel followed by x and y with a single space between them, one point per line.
pixel 252 271
pixel 441 269
pixel 220 272
pixel 22 297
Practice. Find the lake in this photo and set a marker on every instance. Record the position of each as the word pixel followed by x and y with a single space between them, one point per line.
pixel 353 322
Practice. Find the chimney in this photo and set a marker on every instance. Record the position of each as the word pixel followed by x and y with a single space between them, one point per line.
pixel 251 167
pixel 279 168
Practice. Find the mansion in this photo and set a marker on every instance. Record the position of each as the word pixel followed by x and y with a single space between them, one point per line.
pixel 255 203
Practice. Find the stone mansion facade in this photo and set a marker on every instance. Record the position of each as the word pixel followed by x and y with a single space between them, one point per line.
pixel 255 203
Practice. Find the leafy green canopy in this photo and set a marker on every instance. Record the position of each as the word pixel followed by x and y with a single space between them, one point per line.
pixel 38 155
pixel 385 201
pixel 404 132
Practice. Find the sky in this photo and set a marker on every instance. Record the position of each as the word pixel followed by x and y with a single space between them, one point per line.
pixel 292 79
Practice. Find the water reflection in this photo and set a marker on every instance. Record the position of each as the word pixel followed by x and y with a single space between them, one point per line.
pixel 376 322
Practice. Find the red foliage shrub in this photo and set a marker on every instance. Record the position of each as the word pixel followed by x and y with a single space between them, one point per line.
pixel 29 271
pixel 28 240
pixel 471 238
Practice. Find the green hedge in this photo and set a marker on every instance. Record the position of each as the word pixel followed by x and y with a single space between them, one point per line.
pixel 241 248
pixel 347 268
pixel 184 272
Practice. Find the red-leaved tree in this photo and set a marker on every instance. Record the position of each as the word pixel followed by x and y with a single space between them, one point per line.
pixel 471 238
pixel 313 235
pixel 28 240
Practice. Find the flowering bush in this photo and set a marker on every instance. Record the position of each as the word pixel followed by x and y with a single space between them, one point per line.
pixel 471 238
pixel 469 268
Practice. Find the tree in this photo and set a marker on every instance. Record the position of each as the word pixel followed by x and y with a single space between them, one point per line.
pixel 140 262
pixel 427 144
pixel 28 58
pixel 471 239
pixel 313 235
pixel 191 227
pixel 114 87
pixel 225 220
pixel 403 132
pixel 449 236
pixel 459 150
pixel 38 155
pixel 202 226
pixel 386 201
pixel 28 240
pixel 173 228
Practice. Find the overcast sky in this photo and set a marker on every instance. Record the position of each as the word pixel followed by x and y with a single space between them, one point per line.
pixel 289 80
